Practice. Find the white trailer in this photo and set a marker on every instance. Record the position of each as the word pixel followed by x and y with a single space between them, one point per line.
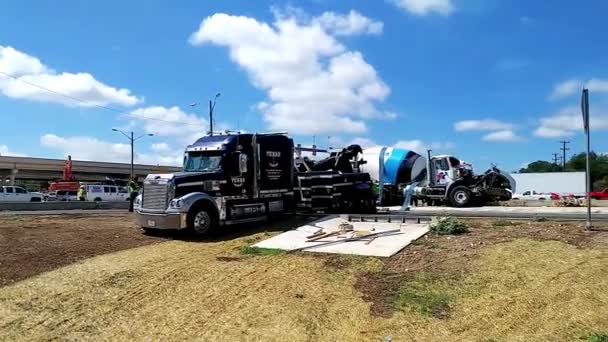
pixel 561 183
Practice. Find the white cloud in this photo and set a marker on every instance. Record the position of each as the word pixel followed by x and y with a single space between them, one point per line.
pixel 574 86
pixel 83 86
pixel 502 136
pixel 90 148
pixel 363 142
pixel 4 151
pixel 353 23
pixel 313 83
pixel 170 122
pixel 426 7
pixel 17 63
pixel 481 125
pixel 421 147
pixel 567 122
pixel 160 147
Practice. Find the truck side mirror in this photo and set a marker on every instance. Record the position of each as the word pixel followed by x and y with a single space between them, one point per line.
pixel 242 163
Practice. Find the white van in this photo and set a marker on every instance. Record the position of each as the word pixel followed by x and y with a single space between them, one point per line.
pixel 106 193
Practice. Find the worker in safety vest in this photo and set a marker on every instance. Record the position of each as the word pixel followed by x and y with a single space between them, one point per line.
pixel 134 191
pixel 82 193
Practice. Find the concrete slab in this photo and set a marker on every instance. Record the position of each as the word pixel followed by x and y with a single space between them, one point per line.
pixel 382 246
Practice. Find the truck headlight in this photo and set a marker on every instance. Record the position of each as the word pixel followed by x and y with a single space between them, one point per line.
pixel 137 201
pixel 176 203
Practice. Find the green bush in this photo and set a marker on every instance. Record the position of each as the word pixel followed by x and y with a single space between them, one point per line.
pixel 261 251
pixel 505 223
pixel 449 226
pixel 596 337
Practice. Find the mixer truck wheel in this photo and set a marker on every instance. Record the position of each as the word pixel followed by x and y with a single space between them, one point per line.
pixel 460 196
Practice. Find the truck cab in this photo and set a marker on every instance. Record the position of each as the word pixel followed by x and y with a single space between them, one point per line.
pixel 446 169
pixel 226 179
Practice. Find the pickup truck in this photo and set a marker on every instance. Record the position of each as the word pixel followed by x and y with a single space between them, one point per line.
pixel 535 196
pixel 18 194
pixel 599 195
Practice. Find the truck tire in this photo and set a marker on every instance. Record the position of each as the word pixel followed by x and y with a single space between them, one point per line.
pixel 460 196
pixel 202 219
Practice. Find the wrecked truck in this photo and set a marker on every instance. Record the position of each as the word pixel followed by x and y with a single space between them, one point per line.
pixel 441 179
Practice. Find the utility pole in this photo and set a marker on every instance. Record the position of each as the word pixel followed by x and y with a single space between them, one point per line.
pixel 564 149
pixel 211 109
pixel 556 158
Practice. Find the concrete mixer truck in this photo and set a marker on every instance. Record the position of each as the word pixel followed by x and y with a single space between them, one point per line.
pixel 440 179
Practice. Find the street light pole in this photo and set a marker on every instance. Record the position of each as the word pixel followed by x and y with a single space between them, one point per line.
pixel 132 140
pixel 132 156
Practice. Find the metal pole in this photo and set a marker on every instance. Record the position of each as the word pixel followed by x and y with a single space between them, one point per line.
pixel 564 149
pixel 132 156
pixel 585 111
pixel 588 182
pixel 210 118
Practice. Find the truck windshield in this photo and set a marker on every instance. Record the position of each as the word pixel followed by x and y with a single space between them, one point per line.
pixel 202 162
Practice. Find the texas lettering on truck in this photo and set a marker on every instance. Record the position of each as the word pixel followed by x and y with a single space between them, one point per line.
pixel 236 178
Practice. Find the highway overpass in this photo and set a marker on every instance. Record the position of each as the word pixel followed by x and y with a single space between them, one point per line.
pixel 41 169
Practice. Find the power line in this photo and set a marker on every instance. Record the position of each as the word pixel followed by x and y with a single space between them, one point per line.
pixel 95 104
pixel 564 149
pixel 556 157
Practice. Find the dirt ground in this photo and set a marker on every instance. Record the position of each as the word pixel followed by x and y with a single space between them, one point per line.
pixel 453 256
pixel 30 245
pixel 501 281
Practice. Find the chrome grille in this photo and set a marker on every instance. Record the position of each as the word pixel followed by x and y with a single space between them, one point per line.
pixel 155 196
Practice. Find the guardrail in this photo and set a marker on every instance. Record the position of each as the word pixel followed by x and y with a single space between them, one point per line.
pixel 76 205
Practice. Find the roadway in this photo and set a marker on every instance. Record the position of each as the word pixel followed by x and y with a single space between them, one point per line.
pixel 65 212
pixel 554 213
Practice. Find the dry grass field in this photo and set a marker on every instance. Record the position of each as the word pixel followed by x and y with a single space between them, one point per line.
pixel 502 281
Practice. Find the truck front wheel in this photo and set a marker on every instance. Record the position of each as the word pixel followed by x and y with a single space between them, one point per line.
pixel 460 196
pixel 201 220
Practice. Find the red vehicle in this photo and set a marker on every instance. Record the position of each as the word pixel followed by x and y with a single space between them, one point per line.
pixel 600 195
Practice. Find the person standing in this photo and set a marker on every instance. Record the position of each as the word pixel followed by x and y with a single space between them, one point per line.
pixel 133 193
pixel 82 193
pixel 407 193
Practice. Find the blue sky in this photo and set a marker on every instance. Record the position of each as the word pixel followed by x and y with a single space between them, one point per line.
pixel 486 80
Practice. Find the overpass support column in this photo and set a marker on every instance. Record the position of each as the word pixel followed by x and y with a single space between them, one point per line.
pixel 12 176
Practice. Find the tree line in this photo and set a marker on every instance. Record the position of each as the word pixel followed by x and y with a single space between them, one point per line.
pixel 598 163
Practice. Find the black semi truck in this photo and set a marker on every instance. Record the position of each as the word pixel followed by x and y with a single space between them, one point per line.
pixel 237 178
